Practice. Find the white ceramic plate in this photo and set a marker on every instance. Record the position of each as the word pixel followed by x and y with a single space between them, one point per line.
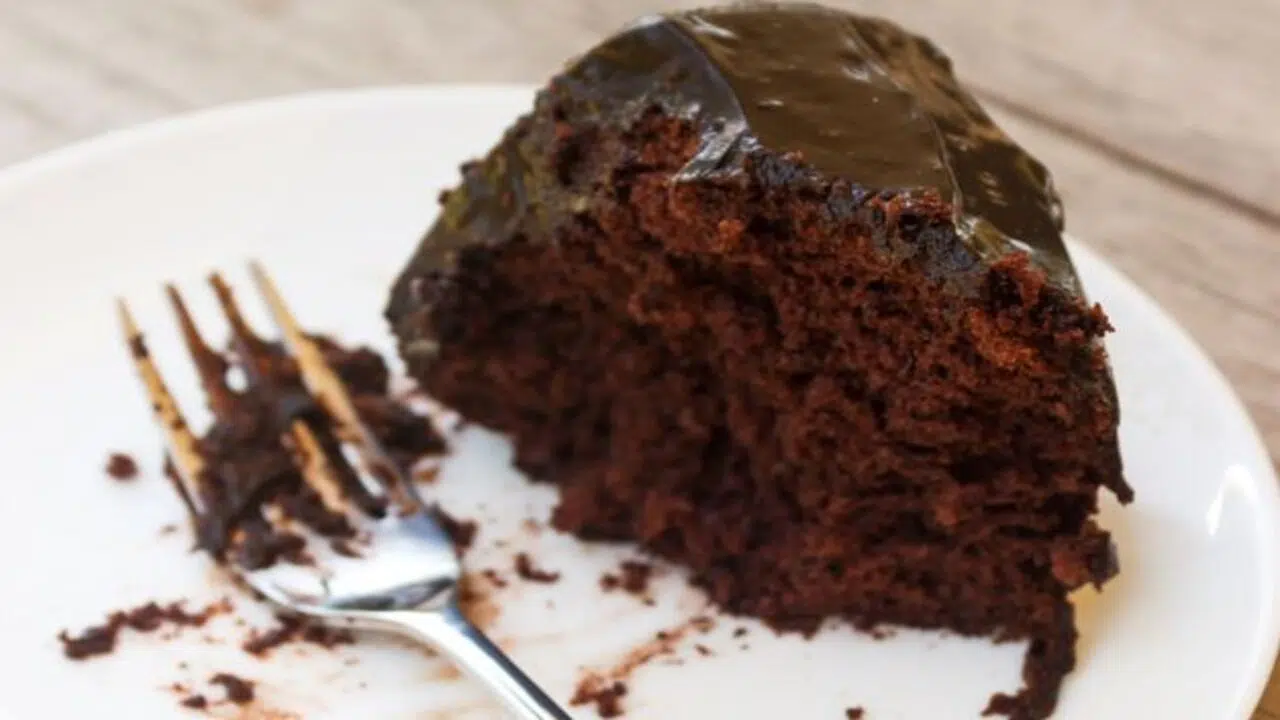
pixel 332 191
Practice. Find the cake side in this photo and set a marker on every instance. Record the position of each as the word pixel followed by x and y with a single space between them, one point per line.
pixel 814 435
pixel 817 393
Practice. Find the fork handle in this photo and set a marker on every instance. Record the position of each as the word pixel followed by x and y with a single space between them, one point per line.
pixel 449 632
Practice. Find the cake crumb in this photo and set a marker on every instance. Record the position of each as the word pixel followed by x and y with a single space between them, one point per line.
pixel 122 467
pixel 703 650
pixel 426 475
pixel 494 578
pixel 636 576
pixel 294 628
pixel 854 713
pixel 632 577
pixel 740 632
pixel 149 617
pixel 527 570
pixel 461 531
pixel 659 649
pixel 606 696
pixel 195 702
pixel 239 690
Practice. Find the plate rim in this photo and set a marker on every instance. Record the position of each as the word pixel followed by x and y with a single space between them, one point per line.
pixel 1268 483
pixel 125 139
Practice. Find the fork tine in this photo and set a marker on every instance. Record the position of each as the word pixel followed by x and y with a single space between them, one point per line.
pixel 322 470
pixel 319 378
pixel 248 343
pixel 184 447
pixel 226 298
pixel 316 469
pixel 327 387
pixel 210 365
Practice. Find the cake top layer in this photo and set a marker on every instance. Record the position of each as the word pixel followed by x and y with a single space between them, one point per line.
pixel 847 97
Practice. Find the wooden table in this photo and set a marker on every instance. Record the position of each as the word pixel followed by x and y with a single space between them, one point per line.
pixel 1157 118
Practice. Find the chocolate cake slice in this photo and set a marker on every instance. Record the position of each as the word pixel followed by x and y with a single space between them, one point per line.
pixel 764 290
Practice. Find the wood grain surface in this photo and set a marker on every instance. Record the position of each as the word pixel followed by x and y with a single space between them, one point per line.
pixel 1157 118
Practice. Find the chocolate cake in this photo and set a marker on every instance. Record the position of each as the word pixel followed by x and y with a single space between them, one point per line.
pixel 764 290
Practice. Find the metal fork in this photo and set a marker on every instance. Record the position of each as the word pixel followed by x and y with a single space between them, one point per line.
pixel 407 578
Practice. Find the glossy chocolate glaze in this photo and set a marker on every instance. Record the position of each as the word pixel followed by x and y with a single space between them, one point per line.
pixel 829 97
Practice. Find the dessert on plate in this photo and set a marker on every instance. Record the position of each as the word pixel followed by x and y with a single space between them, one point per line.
pixel 762 289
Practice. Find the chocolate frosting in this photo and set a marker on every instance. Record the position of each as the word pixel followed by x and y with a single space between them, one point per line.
pixel 833 96
pixel 857 98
